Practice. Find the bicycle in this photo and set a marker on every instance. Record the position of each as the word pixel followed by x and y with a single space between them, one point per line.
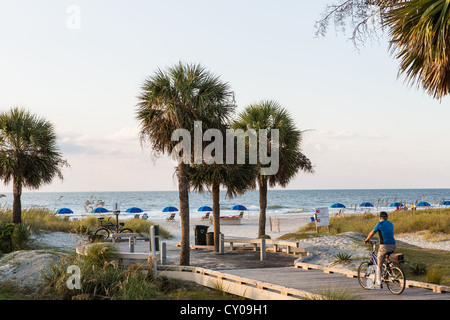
pixel 392 276
pixel 105 230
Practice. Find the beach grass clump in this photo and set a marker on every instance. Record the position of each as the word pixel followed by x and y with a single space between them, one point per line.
pixel 418 268
pixel 103 278
pixel 435 275
pixel 342 257
pixel 333 293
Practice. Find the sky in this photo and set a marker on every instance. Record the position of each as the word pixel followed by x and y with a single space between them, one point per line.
pixel 81 64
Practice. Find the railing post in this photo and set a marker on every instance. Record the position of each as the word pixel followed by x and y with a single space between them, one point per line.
pixel 222 243
pixel 263 249
pixel 163 253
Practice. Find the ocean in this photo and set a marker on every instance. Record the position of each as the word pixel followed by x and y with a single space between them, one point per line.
pixel 279 202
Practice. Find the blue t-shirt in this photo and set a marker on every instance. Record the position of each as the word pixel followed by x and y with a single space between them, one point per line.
pixel 385 230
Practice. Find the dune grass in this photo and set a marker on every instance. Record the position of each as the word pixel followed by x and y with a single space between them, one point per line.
pixel 41 219
pixel 433 221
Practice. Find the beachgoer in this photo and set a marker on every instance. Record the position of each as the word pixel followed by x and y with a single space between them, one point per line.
pixel 385 231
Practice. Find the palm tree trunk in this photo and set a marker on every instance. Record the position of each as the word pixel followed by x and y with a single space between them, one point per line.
pixel 183 193
pixel 216 214
pixel 262 181
pixel 17 205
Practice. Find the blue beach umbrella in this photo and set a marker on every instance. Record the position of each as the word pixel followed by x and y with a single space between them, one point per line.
pixel 396 204
pixel 64 211
pixel 238 207
pixel 366 204
pixel 446 203
pixel 134 210
pixel 423 204
pixel 337 205
pixel 169 209
pixel 100 210
pixel 205 208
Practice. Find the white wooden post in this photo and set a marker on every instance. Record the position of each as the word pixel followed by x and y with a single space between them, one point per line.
pixel 131 241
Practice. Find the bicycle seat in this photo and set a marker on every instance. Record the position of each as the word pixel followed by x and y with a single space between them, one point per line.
pixel 121 224
pixel 100 218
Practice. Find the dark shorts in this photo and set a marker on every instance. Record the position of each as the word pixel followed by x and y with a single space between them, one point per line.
pixel 382 250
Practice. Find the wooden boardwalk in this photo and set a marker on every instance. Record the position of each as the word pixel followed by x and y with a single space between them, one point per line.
pixel 315 280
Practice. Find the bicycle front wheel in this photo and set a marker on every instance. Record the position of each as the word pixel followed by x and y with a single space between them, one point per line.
pixel 396 280
pixel 103 232
pixel 366 275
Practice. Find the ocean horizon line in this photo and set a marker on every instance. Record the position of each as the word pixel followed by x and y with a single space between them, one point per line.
pixel 224 190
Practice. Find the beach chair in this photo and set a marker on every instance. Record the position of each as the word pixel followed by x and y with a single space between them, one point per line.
pixel 206 216
pixel 241 215
pixel 171 218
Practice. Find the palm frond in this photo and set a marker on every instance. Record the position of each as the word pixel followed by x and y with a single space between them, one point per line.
pixel 420 40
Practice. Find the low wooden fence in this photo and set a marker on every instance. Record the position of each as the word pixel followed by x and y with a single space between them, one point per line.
pixel 240 286
pixel 353 274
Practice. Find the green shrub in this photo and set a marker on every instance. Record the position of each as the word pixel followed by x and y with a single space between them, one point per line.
pixel 14 237
pixel 20 237
pixel 6 232
pixel 418 268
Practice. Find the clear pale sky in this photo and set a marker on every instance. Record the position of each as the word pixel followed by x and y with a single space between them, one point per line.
pixel 367 128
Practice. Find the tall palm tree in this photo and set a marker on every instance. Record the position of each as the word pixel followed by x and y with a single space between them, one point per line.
pixel 173 99
pixel 235 178
pixel 29 156
pixel 270 115
pixel 420 37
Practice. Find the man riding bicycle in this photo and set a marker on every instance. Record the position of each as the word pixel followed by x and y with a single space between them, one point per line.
pixel 385 231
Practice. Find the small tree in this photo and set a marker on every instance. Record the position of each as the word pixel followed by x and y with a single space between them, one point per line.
pixel 29 156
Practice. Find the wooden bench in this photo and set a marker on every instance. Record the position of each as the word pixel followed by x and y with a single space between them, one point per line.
pixel 290 246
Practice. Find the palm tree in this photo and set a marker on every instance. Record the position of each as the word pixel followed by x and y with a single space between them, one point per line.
pixel 270 115
pixel 173 99
pixel 420 37
pixel 236 178
pixel 29 156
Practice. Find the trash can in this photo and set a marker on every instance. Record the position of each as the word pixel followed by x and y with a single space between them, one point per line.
pixel 210 239
pixel 200 235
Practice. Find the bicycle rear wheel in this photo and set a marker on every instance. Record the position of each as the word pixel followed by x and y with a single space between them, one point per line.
pixel 126 230
pixel 102 232
pixel 396 280
pixel 366 275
